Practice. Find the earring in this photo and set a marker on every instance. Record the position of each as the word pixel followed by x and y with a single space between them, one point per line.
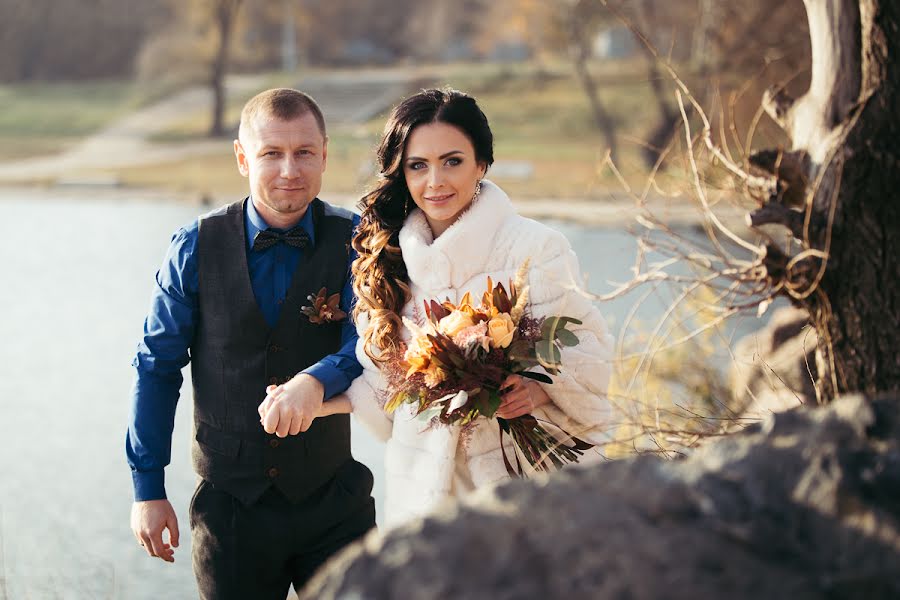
pixel 406 206
pixel 477 191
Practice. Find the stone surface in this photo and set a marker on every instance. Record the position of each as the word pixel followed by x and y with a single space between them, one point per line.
pixel 803 505
pixel 774 368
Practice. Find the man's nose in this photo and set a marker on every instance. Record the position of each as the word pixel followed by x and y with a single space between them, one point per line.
pixel 290 167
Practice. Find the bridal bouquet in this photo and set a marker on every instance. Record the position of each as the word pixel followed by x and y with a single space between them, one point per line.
pixel 454 365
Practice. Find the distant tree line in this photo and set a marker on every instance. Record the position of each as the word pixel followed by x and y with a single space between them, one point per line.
pixel 50 39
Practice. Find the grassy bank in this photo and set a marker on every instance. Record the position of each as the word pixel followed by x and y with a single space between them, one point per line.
pixel 45 118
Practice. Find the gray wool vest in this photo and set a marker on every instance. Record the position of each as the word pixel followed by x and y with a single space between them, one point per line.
pixel 235 354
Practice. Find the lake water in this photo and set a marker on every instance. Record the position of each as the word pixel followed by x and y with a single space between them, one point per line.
pixel 76 283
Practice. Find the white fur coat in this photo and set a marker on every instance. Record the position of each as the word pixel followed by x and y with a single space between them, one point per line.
pixel 490 239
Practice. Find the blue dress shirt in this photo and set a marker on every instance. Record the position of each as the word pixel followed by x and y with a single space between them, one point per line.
pixel 169 330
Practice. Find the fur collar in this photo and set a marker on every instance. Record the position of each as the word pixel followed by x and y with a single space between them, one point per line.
pixel 463 250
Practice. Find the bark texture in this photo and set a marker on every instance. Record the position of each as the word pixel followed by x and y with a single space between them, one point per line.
pixel 837 194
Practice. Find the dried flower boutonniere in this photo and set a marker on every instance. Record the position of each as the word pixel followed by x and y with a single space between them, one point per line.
pixel 324 309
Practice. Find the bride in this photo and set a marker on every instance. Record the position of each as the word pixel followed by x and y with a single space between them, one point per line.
pixel 434 228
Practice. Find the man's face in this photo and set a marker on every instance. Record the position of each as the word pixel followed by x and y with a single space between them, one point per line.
pixel 284 161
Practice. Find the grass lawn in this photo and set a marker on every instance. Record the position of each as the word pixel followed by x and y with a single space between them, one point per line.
pixel 44 118
pixel 216 174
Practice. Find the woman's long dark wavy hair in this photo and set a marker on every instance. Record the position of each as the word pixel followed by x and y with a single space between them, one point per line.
pixel 380 280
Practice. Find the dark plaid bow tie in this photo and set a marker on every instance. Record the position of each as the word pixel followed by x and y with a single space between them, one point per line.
pixel 296 237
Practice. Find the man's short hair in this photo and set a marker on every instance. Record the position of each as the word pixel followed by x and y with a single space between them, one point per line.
pixel 284 104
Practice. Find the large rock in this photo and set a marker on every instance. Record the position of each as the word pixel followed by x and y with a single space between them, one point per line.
pixel 774 368
pixel 804 505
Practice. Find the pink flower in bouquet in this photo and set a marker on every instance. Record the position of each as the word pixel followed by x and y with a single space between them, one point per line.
pixel 473 336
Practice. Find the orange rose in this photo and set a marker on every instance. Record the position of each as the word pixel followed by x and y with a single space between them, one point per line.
pixel 501 330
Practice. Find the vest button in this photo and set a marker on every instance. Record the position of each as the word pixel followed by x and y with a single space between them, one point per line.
pixel 274 443
pixel 272 473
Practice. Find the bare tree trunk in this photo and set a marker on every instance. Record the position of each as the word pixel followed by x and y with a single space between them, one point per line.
pixel 31 47
pixel 838 192
pixel 225 12
pixel 581 52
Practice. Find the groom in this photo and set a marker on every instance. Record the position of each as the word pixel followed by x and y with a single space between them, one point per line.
pixel 275 498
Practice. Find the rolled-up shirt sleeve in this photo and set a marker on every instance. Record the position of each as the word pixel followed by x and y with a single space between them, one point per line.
pixel 161 355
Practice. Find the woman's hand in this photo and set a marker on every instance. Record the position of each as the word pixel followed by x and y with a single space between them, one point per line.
pixel 520 397
pixel 339 405
pixel 291 408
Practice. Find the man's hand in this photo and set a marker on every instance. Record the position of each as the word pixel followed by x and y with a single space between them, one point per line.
pixel 291 408
pixel 148 519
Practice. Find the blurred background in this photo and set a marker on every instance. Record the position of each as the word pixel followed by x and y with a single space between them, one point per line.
pixel 116 121
pixel 563 82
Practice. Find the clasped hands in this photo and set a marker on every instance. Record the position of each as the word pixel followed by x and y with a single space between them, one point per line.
pixel 290 408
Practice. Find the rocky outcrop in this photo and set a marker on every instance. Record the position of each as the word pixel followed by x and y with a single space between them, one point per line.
pixel 803 505
pixel 774 368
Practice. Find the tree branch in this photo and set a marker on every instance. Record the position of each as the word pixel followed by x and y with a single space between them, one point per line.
pixel 835 40
pixel 777 103
pixel 790 169
pixel 773 213
pixel 835 36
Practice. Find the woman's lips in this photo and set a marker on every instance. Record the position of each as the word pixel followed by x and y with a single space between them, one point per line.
pixel 442 198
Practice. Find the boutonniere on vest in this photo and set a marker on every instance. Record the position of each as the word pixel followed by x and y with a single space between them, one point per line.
pixel 324 309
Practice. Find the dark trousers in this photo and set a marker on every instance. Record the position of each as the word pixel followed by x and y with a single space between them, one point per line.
pixel 259 551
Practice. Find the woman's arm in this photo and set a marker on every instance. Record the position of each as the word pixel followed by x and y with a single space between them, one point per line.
pixel 362 397
pixel 337 405
pixel 579 391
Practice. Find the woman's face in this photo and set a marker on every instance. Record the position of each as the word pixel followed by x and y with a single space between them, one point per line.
pixel 441 173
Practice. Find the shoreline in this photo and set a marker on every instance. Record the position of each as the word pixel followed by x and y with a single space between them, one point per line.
pixel 618 209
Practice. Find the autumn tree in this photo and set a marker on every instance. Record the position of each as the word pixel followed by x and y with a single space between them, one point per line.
pixel 195 46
